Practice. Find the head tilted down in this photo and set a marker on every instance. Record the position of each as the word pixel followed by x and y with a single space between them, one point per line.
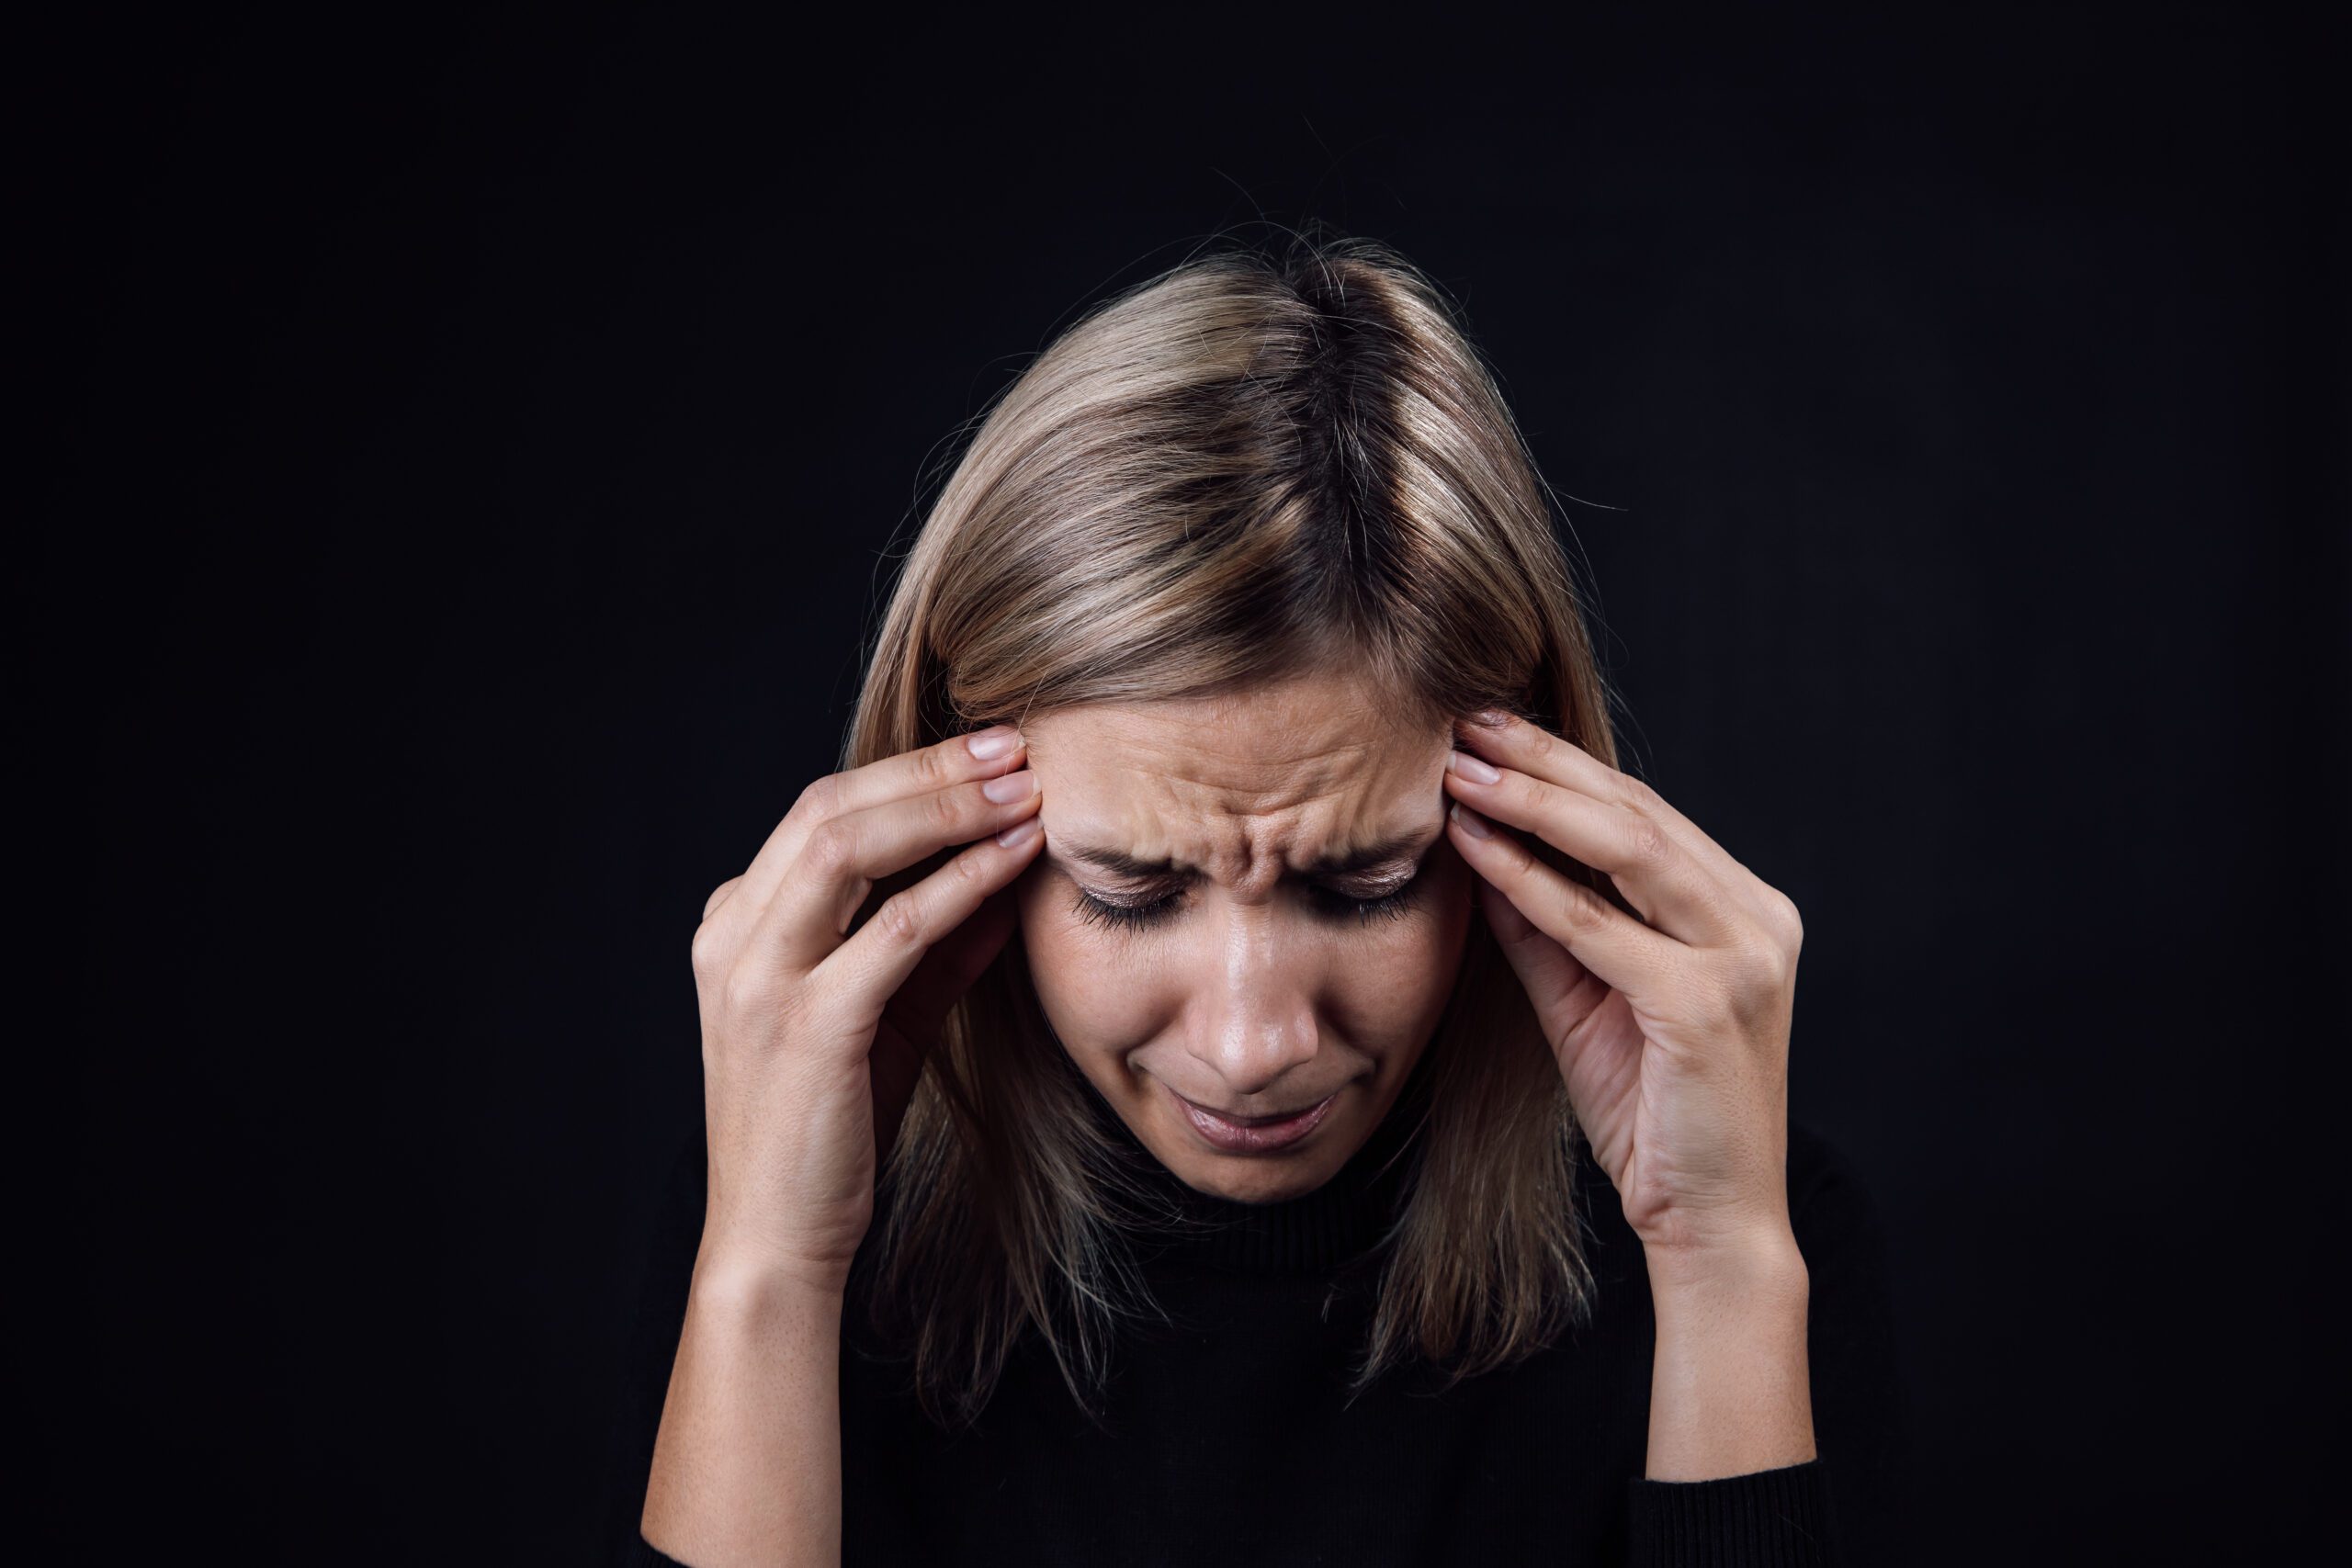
pixel 1236 552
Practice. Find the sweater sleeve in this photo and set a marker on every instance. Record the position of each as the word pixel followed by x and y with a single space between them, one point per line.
pixel 644 1554
pixel 658 1319
pixel 1839 1509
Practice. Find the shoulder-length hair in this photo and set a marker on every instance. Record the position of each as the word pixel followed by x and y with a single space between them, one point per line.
pixel 1239 469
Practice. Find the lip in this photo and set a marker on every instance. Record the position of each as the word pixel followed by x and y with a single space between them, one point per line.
pixel 1253 1137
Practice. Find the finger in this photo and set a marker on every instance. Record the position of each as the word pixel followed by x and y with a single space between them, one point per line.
pixel 918 772
pixel 1614 945
pixel 860 976
pixel 1530 749
pixel 954 963
pixel 1672 889
pixel 1548 971
pixel 917 1012
pixel 844 857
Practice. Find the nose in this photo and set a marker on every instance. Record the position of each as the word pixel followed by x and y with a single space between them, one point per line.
pixel 1256 1024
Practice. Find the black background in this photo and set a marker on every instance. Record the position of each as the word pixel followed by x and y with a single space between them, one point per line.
pixel 469 454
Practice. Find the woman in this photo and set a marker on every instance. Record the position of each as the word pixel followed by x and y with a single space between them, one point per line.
pixel 1164 1092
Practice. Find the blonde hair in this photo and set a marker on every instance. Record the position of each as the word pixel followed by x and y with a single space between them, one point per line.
pixel 1241 469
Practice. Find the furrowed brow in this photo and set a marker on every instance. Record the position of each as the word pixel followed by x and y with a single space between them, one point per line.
pixel 1392 851
pixel 1119 863
pixel 1396 850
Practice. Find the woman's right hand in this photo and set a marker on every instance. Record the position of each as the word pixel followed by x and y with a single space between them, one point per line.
pixel 812 1034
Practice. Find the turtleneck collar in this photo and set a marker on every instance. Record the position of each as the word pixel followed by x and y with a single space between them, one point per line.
pixel 1339 1222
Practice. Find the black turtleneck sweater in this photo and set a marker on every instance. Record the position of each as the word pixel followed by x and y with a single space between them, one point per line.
pixel 1228 1442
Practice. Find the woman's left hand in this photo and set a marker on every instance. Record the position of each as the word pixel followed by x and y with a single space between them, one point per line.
pixel 1673 1034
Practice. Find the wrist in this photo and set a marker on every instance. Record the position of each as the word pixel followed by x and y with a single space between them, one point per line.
pixel 746 1287
pixel 1758 1268
pixel 1730 1389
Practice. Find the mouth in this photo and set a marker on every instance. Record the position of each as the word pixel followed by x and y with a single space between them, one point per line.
pixel 1253 1134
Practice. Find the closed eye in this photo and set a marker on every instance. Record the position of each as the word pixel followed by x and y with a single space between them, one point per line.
pixel 1388 905
pixel 1328 902
pixel 1125 917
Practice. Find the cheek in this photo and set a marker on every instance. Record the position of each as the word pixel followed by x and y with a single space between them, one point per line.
pixel 1090 991
pixel 1395 988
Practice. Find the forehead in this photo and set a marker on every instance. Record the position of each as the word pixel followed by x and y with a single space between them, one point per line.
pixel 1236 786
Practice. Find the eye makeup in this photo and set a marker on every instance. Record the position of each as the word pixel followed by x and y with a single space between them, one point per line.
pixel 1329 903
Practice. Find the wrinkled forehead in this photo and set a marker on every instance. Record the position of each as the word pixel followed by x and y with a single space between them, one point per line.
pixel 1239 787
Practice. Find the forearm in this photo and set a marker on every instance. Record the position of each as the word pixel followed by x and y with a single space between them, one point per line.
pixel 747 1462
pixel 1730 1389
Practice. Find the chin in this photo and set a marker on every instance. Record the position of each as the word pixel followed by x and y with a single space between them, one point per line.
pixel 1254 1183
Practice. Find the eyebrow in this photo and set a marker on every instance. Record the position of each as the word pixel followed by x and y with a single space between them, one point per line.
pixel 1331 863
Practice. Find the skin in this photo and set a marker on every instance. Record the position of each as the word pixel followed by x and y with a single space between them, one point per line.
pixel 1252 995
pixel 1260 988
pixel 1672 1034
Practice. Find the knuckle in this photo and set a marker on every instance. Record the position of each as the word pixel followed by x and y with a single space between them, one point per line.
pixel 1530 794
pixel 899 919
pixel 818 798
pixel 1519 862
pixel 1647 841
pixel 945 809
pixel 1637 795
pixel 720 895
pixel 933 769
pixel 708 951
pixel 968 870
pixel 1582 909
pixel 831 850
pixel 954 871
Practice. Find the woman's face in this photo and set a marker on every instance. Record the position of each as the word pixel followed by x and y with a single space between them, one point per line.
pixel 1201 930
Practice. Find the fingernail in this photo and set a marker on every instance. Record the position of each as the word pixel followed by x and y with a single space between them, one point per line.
pixel 1475 769
pixel 1471 823
pixel 1011 787
pixel 1013 838
pixel 993 742
pixel 1490 717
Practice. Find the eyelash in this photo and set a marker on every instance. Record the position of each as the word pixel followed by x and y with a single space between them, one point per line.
pixel 1138 917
